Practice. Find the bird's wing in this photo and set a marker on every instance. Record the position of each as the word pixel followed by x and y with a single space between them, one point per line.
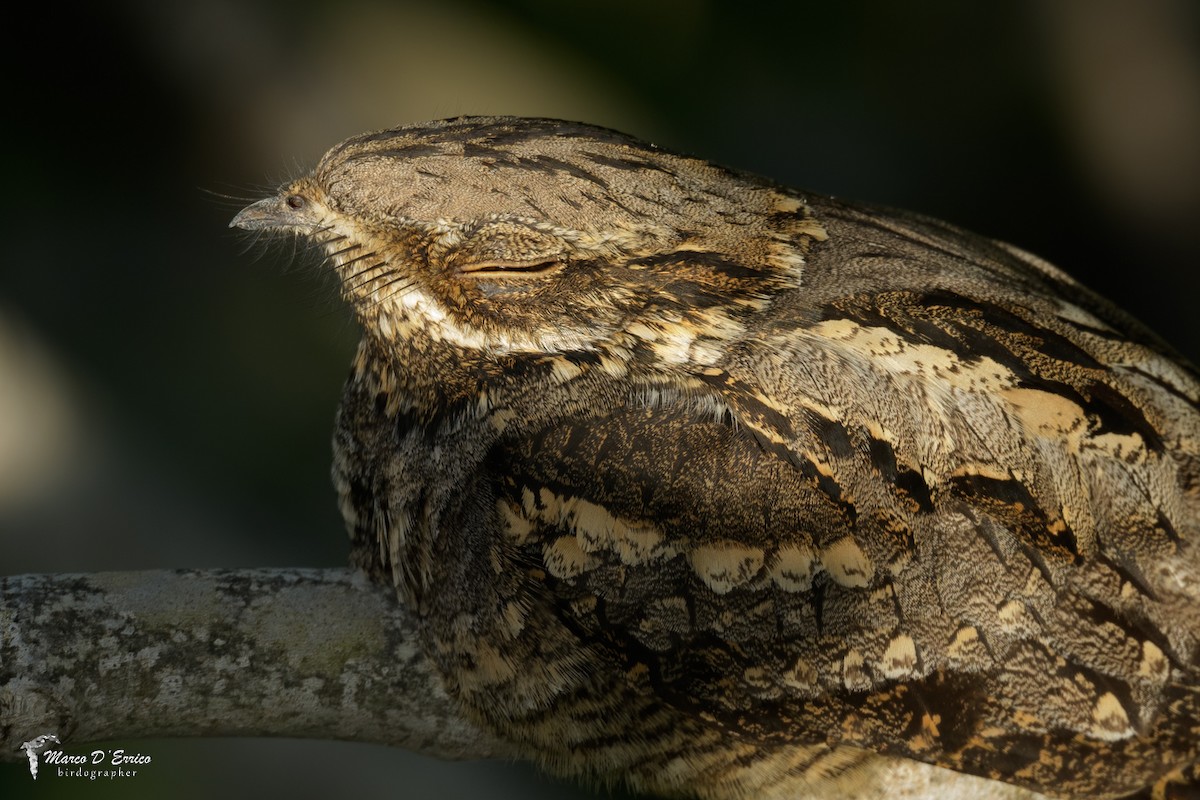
pixel 946 524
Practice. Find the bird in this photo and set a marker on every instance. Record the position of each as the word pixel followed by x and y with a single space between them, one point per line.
pixel 708 487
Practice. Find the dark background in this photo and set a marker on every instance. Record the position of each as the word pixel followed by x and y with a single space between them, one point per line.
pixel 167 391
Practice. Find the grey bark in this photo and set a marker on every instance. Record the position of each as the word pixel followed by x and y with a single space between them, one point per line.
pixel 281 652
pixel 263 652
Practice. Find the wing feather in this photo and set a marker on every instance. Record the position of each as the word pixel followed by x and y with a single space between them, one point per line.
pixel 932 523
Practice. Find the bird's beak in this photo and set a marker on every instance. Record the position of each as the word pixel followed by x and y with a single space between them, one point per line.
pixel 264 214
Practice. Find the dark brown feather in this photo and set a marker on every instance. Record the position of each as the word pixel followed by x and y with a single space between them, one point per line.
pixel 727 490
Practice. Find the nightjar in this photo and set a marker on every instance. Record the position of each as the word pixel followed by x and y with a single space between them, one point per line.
pixel 720 489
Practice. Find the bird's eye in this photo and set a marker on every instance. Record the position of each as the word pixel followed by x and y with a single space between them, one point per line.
pixel 505 250
pixel 295 201
pixel 499 269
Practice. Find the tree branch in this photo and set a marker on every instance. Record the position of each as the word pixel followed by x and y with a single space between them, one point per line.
pixel 278 652
pixel 319 653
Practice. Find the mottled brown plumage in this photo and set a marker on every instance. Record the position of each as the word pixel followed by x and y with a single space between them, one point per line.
pixel 728 490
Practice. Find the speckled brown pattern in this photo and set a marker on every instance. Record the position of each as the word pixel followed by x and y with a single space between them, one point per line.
pixel 726 490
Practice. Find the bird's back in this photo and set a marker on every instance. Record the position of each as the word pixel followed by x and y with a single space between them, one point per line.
pixel 731 491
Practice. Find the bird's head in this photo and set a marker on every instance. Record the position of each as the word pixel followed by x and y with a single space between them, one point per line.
pixel 509 235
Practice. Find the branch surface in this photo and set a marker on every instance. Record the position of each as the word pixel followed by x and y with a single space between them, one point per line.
pixel 319 653
pixel 315 653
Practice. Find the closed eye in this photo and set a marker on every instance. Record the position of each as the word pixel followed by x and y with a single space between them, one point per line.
pixel 498 270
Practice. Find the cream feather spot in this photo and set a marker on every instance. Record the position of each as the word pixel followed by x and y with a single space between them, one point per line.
pixel 565 559
pixel 964 639
pixel 792 568
pixel 1110 721
pixel 847 564
pixel 1154 664
pixel 854 675
pixel 515 525
pixel 900 658
pixel 1045 413
pixel 885 350
pixel 725 566
pixel 637 544
pixel 1013 614
pixel 595 529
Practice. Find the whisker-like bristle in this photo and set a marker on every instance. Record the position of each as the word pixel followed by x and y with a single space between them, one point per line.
pixel 319 244
pixel 343 250
pixel 364 271
pixel 381 298
pixel 250 244
pixel 233 198
pixel 357 258
pixel 351 289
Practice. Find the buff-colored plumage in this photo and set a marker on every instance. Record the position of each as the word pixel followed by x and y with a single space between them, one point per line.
pixel 726 490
